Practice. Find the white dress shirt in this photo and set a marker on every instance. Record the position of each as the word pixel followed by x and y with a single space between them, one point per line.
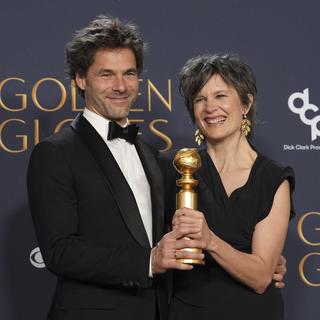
pixel 129 162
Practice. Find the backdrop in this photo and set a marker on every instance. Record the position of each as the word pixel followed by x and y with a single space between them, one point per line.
pixel 279 39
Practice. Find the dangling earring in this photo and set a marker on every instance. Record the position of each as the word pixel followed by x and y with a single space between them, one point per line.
pixel 245 125
pixel 198 137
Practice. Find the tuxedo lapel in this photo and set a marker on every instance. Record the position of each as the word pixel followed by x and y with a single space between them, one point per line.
pixel 154 177
pixel 113 177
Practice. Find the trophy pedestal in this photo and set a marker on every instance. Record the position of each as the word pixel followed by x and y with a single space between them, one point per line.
pixel 191 261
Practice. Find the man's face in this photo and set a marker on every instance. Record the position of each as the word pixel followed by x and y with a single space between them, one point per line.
pixel 111 84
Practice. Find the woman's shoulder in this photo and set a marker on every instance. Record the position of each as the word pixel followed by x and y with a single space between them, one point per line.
pixel 272 173
pixel 270 176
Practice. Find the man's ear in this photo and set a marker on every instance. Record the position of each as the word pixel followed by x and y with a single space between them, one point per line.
pixel 81 81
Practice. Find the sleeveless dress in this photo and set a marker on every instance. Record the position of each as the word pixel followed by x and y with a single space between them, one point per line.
pixel 209 292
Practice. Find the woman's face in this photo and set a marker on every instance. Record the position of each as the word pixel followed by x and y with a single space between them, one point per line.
pixel 218 109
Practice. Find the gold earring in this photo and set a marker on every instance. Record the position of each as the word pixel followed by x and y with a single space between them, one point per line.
pixel 245 125
pixel 198 137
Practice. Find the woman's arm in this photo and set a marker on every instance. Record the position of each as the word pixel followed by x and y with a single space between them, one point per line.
pixel 256 269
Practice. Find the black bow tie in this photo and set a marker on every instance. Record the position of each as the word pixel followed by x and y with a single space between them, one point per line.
pixel 128 133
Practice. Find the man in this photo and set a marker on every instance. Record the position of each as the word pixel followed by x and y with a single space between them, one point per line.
pixel 96 193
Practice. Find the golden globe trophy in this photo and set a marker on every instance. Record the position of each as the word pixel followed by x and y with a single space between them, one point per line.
pixel 186 162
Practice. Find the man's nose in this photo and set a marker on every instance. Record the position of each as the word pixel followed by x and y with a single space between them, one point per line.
pixel 119 84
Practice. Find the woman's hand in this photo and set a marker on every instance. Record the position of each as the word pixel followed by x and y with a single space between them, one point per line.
pixel 185 217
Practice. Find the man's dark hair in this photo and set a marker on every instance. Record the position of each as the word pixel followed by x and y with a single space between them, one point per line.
pixel 103 32
pixel 231 68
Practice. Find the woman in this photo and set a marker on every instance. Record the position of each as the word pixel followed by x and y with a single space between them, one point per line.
pixel 244 200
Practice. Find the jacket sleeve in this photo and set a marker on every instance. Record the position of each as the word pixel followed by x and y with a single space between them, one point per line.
pixel 53 201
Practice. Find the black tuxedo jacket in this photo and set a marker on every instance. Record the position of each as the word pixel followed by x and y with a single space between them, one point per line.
pixel 89 228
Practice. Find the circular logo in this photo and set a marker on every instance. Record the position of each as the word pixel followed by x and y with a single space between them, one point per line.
pixel 36 258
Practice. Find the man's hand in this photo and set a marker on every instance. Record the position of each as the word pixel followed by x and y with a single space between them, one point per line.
pixel 280 272
pixel 164 255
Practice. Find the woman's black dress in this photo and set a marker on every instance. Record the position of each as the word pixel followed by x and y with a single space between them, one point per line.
pixel 209 292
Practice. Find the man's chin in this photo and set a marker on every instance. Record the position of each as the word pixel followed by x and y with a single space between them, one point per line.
pixel 121 119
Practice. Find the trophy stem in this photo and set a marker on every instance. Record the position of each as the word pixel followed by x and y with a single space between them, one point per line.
pixel 187 199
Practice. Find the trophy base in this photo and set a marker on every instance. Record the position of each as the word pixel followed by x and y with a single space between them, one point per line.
pixel 191 261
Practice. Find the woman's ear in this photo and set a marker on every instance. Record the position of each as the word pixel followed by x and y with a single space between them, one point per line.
pixel 248 106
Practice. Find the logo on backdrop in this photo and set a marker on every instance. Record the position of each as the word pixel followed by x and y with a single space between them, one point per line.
pixel 299 103
pixel 18 133
pixel 308 231
pixel 36 258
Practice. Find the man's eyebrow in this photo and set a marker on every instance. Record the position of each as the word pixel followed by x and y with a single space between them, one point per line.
pixel 105 70
pixel 112 71
pixel 131 69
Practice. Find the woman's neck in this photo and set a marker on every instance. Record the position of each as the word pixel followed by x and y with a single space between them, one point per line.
pixel 231 154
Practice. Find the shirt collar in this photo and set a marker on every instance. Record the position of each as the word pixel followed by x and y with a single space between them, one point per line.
pixel 100 123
